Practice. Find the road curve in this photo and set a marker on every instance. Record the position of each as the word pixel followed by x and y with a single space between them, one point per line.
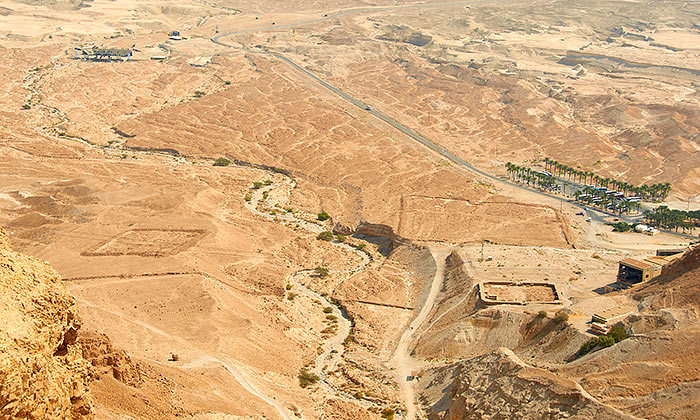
pixel 597 214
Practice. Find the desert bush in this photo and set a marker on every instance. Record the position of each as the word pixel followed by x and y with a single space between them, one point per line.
pixel 321 271
pixel 323 216
pixel 325 236
pixel 327 310
pixel 388 414
pixel 199 93
pixel 542 314
pixel 340 238
pixel 560 317
pixel 307 378
pixel 291 296
pixel 618 333
pixel 222 161
pixel 288 286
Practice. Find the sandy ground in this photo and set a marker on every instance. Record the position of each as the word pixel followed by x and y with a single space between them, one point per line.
pixel 165 254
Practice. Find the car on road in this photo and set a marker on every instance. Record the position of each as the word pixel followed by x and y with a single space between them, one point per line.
pixel 579 213
pixel 368 107
pixel 589 220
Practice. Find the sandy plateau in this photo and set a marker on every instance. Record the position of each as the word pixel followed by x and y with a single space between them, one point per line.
pixel 328 265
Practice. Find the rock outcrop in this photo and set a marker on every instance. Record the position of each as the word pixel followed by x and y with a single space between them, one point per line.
pixel 98 350
pixel 498 385
pixel 42 371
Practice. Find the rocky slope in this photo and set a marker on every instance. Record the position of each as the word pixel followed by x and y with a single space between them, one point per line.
pixel 498 385
pixel 678 286
pixel 42 371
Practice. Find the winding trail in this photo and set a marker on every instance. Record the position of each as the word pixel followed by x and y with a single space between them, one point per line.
pixel 401 359
pixel 262 204
pixel 234 370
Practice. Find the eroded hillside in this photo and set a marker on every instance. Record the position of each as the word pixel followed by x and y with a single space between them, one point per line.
pixel 42 370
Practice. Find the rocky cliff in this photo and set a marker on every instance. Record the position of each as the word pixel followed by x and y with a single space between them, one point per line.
pixel 42 371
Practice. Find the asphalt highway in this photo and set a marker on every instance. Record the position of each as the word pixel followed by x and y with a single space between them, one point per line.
pixel 595 214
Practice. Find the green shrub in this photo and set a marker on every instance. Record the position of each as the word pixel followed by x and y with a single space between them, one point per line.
pixel 291 296
pixel 560 317
pixel 340 238
pixel 325 236
pixel 618 333
pixel 199 93
pixel 288 286
pixel 222 161
pixel 268 182
pixel 321 271
pixel 542 314
pixel 323 216
pixel 620 226
pixel 257 184
pixel 388 414
pixel 306 378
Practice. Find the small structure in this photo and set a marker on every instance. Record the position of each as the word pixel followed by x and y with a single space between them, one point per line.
pixel 631 271
pixel 518 293
pixel 647 230
pixel 175 36
pixel 103 54
pixel 670 251
pixel 599 329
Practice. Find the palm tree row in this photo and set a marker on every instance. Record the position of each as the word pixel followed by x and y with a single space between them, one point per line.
pixel 592 196
pixel 531 177
pixel 667 218
pixel 654 192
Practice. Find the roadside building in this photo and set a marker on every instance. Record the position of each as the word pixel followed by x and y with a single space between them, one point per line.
pixel 103 54
pixel 631 271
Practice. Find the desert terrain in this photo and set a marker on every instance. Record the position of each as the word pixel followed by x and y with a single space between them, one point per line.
pixel 301 209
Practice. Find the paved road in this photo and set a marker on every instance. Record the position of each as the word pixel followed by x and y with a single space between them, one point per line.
pixel 596 215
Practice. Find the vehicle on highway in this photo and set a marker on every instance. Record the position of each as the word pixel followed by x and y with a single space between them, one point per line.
pixel 579 213
pixel 368 107
pixel 589 220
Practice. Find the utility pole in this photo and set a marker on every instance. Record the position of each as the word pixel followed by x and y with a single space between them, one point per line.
pixel 482 250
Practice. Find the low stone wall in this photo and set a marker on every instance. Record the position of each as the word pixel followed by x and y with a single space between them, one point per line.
pixel 491 299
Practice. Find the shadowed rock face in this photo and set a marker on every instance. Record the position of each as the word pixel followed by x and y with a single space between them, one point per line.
pixel 42 371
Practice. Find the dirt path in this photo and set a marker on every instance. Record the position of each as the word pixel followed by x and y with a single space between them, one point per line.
pixel 203 356
pixel 270 206
pixel 401 360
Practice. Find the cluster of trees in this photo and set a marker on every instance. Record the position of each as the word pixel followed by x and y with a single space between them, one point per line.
pixel 600 198
pixel 616 334
pixel 654 192
pixel 666 218
pixel 530 176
